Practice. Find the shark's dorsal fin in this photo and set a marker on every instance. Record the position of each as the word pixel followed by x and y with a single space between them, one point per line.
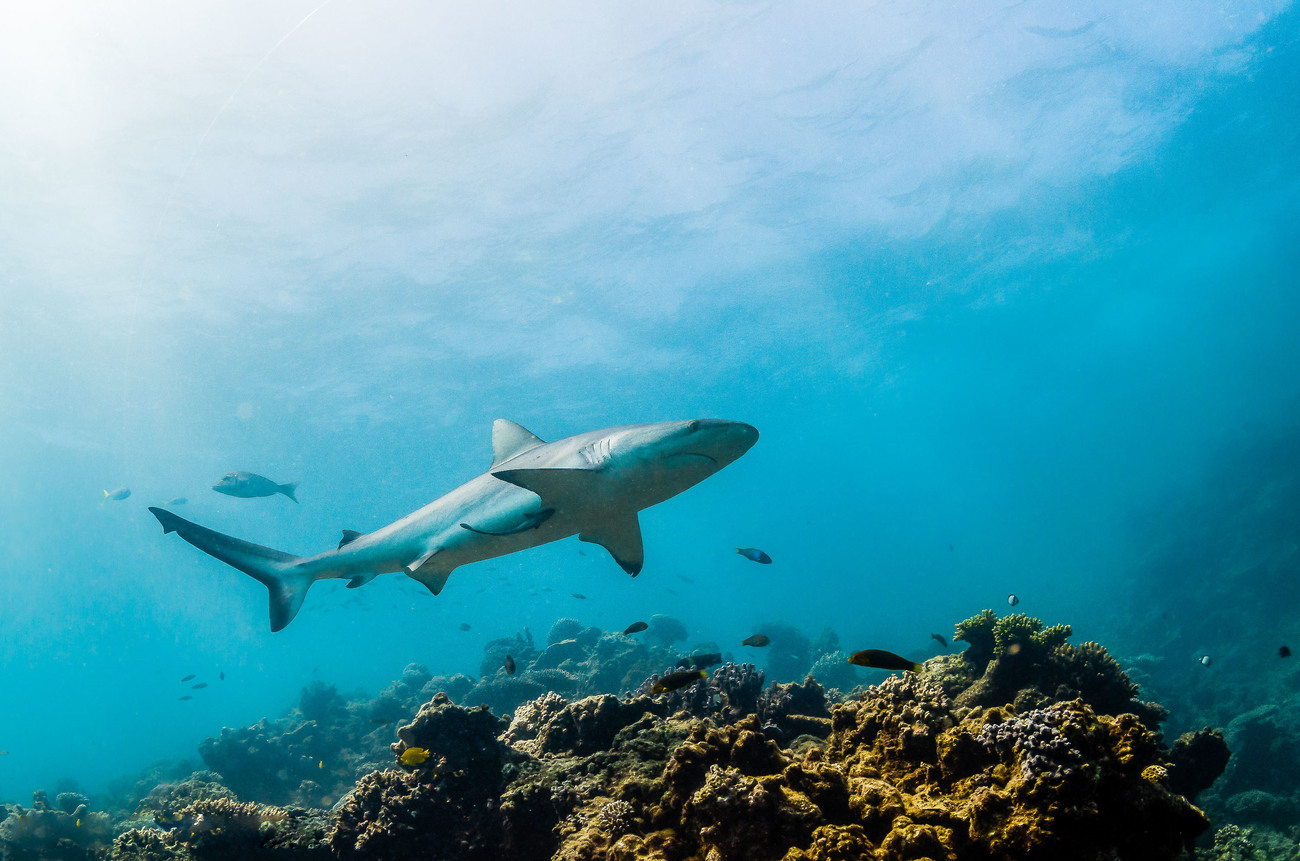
pixel 510 439
pixel 620 534
pixel 349 535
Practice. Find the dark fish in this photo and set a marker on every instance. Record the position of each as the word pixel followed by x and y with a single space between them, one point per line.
pixel 223 675
pixel 509 664
pixel 175 500
pixel 116 495
pixel 635 628
pixel 382 721
pixel 579 596
pixel 1284 652
pixel 200 686
pixel 247 485
pixel 464 626
pixel 189 677
pixel 758 641
pixel 939 639
pixel 753 554
pixel 186 697
pixel 1012 599
pixel 702 661
pixel 1205 660
pixel 677 680
pixel 881 660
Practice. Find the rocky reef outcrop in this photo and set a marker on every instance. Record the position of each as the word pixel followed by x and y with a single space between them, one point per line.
pixel 1024 747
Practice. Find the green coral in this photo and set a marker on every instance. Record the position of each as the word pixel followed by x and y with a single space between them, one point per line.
pixel 991 637
pixel 1020 631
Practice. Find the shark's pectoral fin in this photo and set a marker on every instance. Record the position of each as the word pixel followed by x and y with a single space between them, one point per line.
pixel 554 486
pixel 530 521
pixel 349 535
pixel 620 534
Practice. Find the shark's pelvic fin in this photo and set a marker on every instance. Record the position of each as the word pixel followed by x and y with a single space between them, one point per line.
pixel 530 521
pixel 272 568
pixel 510 439
pixel 433 573
pixel 620 534
pixel 349 535
pixel 361 580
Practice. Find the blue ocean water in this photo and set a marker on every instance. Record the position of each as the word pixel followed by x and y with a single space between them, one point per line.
pixel 1005 288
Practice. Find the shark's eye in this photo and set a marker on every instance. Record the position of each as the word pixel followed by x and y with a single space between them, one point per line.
pixel 692 426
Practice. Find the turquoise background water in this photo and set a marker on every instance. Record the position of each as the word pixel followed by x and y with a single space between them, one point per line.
pixel 1003 286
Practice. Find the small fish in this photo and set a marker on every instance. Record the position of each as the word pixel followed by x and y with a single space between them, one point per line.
pixel 753 554
pixel 939 639
pixel 579 596
pixel 116 495
pixel 78 823
pixel 223 675
pixel 189 677
pixel 1284 652
pixel 175 500
pixel 509 664
pixel 382 721
pixel 1012 599
pixel 413 756
pixel 701 661
pixel 1205 660
pixel 320 764
pixel 4 753
pixel 758 641
pixel 186 697
pixel 200 686
pixel 678 680
pixel 464 626
pixel 635 628
pixel 247 485
pixel 881 660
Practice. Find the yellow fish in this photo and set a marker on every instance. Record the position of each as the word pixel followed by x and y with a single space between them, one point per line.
pixel 320 764
pixel 413 756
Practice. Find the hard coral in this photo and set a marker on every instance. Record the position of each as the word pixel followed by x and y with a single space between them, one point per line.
pixel 41 832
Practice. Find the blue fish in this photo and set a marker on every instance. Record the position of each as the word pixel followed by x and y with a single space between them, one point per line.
pixel 753 554
pixel 247 485
pixel 116 495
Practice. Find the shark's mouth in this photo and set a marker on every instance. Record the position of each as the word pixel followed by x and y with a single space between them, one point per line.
pixel 696 454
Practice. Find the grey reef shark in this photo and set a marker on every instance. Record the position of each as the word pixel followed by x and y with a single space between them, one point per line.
pixel 591 485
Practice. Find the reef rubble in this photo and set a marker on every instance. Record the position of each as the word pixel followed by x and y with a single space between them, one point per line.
pixel 1022 747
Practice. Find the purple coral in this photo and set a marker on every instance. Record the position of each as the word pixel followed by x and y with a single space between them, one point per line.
pixel 1045 753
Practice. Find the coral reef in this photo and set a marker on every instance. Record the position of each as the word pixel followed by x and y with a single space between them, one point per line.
pixel 1016 659
pixel 1023 747
pixel 43 832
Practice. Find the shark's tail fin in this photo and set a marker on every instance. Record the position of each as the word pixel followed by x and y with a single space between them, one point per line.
pixel 288 489
pixel 271 568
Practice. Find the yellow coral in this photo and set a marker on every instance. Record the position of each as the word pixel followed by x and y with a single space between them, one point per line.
pixel 1155 774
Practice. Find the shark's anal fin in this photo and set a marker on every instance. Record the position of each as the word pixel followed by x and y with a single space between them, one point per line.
pixel 510 439
pixel 620 534
pixel 349 535
pixel 530 521
pixel 555 486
